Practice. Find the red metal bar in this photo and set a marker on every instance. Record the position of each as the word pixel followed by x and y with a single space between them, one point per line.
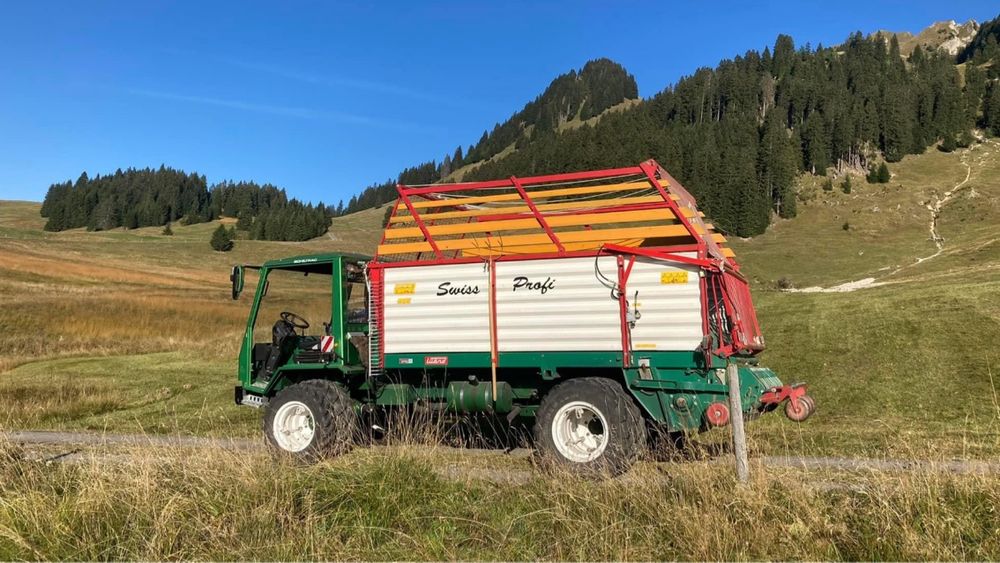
pixel 419 221
pixel 628 269
pixel 686 197
pixel 648 168
pixel 378 284
pixel 538 216
pixel 659 255
pixel 532 180
pixel 705 327
pixel 622 314
pixel 494 345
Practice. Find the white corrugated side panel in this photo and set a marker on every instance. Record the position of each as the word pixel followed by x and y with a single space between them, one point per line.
pixel 542 306
pixel 575 312
pixel 425 322
pixel 670 305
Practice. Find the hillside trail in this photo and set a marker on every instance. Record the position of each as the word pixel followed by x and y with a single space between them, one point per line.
pixel 935 209
pixel 79 447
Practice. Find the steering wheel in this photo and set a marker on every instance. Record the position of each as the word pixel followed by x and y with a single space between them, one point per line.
pixel 294 320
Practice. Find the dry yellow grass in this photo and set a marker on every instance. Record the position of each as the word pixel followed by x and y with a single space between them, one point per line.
pixel 438 504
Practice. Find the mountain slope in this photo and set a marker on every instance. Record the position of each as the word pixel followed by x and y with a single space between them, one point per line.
pixel 737 135
pixel 947 36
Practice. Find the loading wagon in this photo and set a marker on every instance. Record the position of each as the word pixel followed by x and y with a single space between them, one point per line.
pixel 597 308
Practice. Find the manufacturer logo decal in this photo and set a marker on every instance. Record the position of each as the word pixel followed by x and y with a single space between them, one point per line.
pixel 405 361
pixel 435 360
pixel 522 282
pixel 447 289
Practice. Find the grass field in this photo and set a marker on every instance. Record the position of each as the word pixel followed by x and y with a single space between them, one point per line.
pixel 407 504
pixel 133 331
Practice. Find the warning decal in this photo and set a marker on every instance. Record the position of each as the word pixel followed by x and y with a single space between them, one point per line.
pixel 673 277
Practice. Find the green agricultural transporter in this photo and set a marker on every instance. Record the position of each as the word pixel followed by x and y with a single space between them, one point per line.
pixel 599 307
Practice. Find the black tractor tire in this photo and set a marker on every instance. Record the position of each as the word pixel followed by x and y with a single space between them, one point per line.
pixel 334 423
pixel 617 417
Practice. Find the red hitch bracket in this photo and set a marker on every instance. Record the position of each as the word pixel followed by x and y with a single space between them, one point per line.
pixel 799 406
pixel 776 395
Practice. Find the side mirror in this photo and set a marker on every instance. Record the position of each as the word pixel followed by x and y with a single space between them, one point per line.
pixel 237 278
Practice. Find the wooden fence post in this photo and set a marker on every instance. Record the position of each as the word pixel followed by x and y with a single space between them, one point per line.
pixel 736 419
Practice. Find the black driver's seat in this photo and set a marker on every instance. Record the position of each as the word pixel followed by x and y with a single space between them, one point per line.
pixel 282 345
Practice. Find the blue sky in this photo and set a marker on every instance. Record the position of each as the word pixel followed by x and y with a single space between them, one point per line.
pixel 324 98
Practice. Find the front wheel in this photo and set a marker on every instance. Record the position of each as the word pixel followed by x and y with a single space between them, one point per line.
pixel 590 425
pixel 310 420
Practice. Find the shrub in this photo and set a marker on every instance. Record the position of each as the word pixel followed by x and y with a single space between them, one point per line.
pixel 828 185
pixel 966 139
pixel 222 239
pixel 846 226
pixel 883 174
pixel 846 186
pixel 948 144
pixel 167 231
pixel 872 176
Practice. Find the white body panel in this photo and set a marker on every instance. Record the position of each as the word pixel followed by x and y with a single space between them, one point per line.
pixel 575 312
pixel 670 312
pixel 423 321
pixel 545 305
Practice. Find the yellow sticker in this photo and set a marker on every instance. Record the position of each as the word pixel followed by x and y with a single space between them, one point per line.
pixel 403 301
pixel 404 288
pixel 644 346
pixel 673 277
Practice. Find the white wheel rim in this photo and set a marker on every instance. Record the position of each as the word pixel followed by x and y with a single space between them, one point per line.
pixel 580 431
pixel 294 426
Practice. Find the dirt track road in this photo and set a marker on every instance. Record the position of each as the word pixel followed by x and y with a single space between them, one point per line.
pixel 69 443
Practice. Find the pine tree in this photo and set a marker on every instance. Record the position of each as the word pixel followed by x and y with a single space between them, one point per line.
pixel 828 185
pixel 883 174
pixel 948 144
pixel 965 139
pixel 872 176
pixel 897 122
pixel 777 166
pixel 846 186
pixel 991 111
pixel 167 231
pixel 222 239
pixel 244 221
pixel 815 144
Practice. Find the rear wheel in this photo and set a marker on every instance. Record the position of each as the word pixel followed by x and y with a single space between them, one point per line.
pixel 310 420
pixel 590 425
